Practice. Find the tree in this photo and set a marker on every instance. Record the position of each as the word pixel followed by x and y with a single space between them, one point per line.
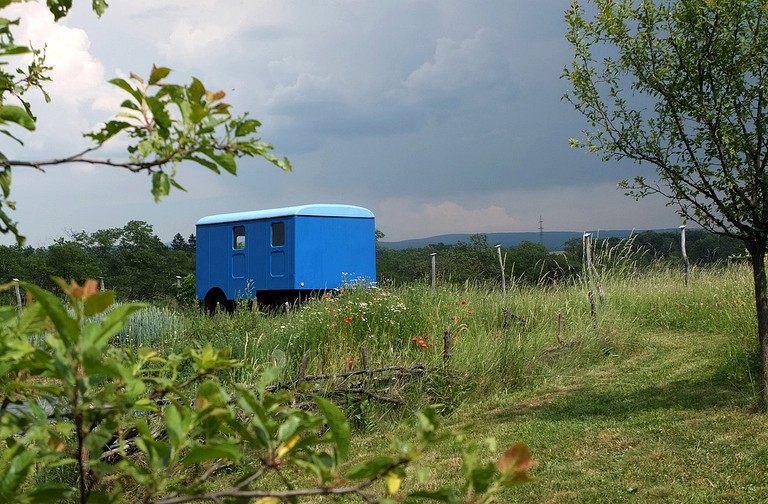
pixel 533 263
pixel 165 123
pixel 681 86
pixel 178 242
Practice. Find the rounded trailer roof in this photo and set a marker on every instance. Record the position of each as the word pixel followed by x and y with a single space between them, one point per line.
pixel 316 210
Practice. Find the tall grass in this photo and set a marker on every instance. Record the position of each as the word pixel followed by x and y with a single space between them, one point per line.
pixel 405 325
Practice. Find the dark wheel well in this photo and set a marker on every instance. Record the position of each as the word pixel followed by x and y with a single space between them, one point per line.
pixel 216 300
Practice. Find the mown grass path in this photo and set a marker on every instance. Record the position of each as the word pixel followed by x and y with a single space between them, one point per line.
pixel 659 426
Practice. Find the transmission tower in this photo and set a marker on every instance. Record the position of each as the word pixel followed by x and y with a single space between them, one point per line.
pixel 541 230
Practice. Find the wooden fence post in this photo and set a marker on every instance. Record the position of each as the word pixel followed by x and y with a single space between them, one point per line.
pixel 18 295
pixel 590 280
pixel 501 265
pixel 685 256
pixel 446 346
pixel 433 254
pixel 303 368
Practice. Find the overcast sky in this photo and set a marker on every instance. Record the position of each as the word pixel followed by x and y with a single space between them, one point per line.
pixel 441 116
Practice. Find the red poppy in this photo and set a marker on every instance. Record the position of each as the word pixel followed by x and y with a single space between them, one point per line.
pixel 463 301
pixel 348 320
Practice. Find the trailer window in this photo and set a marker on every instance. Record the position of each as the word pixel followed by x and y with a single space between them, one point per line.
pixel 238 237
pixel 278 234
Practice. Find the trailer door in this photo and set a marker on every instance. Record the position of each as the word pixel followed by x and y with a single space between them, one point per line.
pixel 238 264
pixel 277 266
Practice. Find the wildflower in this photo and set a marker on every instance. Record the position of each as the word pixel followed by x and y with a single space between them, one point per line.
pixel 349 360
pixel 453 318
pixel 348 320
pixel 432 345
pixel 469 312
pixel 330 309
pixel 89 288
pixel 325 298
pixel 463 301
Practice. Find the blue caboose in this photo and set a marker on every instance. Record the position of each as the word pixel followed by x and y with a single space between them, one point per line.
pixel 279 253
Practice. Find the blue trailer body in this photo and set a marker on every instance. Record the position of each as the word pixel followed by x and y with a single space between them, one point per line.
pixel 283 250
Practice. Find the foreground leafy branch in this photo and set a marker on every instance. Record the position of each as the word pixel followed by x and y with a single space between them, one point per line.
pixel 165 123
pixel 83 420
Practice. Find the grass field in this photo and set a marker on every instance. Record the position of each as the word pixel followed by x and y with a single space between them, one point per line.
pixel 669 417
pixel 655 401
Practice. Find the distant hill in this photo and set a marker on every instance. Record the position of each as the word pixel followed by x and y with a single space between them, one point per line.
pixel 553 240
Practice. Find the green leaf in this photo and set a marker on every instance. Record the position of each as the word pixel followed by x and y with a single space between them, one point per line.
pixel 7 313
pixel 208 164
pixel 197 112
pixel 99 302
pixel 59 8
pixel 247 127
pixel 158 452
pixel 337 424
pixel 161 185
pixel 481 477
pixel 196 90
pixel 21 463
pixel 52 493
pixel 32 319
pixel 126 86
pixel 99 6
pixel 5 181
pixel 371 468
pixel 225 160
pixel 267 376
pixel 229 451
pixel 109 130
pixel 158 74
pixel 13 50
pixel 66 325
pixel 159 113
pixel 115 320
pixel 442 495
pixel 177 422
pixel 17 115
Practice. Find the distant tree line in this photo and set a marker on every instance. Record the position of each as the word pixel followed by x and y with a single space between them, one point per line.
pixel 532 263
pixel 135 263
pixel 131 260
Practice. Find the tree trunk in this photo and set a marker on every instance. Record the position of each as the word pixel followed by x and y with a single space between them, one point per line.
pixel 757 251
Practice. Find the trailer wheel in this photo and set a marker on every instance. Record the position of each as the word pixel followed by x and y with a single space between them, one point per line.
pixel 215 301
